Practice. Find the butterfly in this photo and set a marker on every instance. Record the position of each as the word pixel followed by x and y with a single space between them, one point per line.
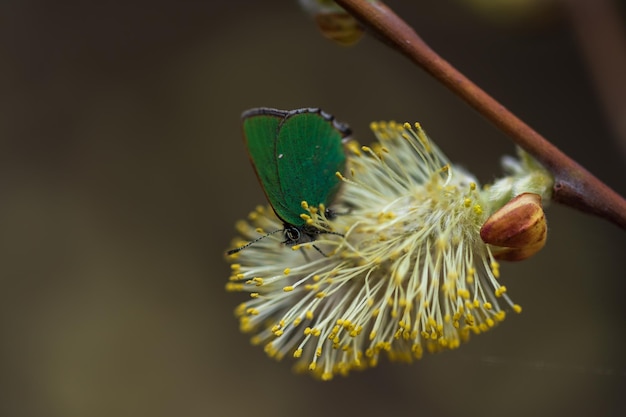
pixel 295 155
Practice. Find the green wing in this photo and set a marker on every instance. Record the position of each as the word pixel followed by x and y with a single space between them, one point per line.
pixel 295 155
pixel 309 152
pixel 260 130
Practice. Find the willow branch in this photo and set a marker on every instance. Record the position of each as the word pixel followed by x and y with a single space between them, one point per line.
pixel 574 186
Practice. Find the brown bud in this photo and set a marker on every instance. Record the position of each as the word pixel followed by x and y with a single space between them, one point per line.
pixel 339 27
pixel 518 229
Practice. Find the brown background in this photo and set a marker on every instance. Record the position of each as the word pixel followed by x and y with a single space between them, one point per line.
pixel 123 172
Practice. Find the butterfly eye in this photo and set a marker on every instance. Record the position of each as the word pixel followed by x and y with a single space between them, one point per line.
pixel 292 235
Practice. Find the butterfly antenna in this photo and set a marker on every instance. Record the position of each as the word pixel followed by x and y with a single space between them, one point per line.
pixel 240 248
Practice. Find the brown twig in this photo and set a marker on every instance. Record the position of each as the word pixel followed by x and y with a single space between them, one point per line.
pixel 574 186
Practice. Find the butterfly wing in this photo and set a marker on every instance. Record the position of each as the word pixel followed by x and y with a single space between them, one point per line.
pixel 295 155
pixel 309 151
pixel 260 131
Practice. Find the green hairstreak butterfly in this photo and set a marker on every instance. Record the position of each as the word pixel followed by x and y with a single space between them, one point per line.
pixel 295 155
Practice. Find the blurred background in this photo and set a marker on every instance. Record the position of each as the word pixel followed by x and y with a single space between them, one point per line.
pixel 123 172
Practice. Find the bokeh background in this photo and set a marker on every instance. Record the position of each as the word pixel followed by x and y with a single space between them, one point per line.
pixel 123 172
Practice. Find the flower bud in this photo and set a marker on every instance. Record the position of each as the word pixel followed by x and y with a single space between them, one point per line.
pixel 518 229
pixel 334 22
pixel 339 27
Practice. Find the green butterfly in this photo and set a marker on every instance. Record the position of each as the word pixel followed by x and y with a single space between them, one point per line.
pixel 295 155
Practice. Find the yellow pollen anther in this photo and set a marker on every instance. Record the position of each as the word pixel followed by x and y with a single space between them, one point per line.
pixel 463 293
